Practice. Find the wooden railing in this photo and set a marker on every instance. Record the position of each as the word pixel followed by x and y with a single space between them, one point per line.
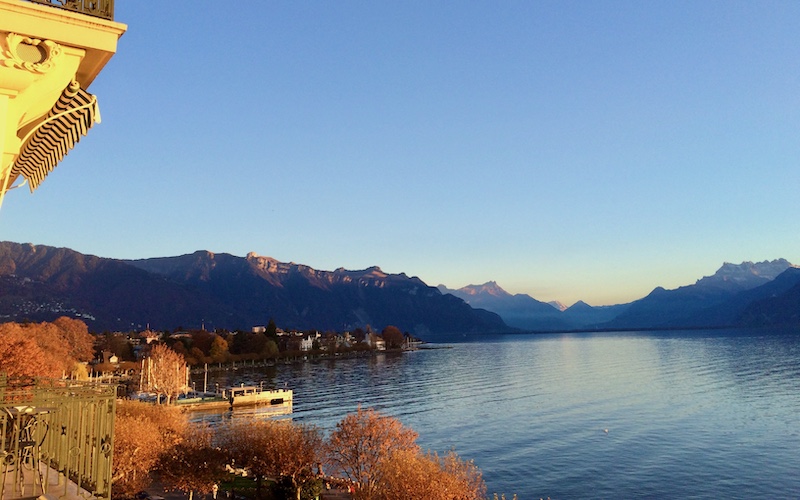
pixel 96 8
pixel 56 436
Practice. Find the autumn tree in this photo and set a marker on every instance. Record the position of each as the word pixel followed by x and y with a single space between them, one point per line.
pixel 180 348
pixel 194 464
pixel 362 442
pixel 282 450
pixel 195 356
pixel 21 356
pixel 393 337
pixel 467 476
pixel 142 434
pixel 166 372
pixel 52 344
pixel 44 349
pixel 75 334
pixel 411 475
pixel 408 475
pixel 219 349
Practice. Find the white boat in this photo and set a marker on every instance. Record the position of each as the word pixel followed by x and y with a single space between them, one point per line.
pixel 250 395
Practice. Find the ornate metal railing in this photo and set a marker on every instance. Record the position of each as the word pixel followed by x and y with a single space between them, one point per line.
pixel 56 437
pixel 96 8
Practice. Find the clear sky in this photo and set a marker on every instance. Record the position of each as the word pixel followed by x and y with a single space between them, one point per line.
pixel 567 150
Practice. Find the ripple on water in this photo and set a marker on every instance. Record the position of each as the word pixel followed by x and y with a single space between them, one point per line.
pixel 690 414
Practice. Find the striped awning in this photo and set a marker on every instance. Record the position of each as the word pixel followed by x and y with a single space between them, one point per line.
pixel 72 116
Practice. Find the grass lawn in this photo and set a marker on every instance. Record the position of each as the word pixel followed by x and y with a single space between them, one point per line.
pixel 245 487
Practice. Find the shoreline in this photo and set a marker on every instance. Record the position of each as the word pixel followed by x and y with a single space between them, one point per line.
pixel 292 359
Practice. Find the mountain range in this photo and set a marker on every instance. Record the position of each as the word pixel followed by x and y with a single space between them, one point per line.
pixel 40 283
pixel 747 294
pixel 222 291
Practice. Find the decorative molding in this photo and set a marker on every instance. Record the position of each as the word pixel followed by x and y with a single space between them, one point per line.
pixel 51 52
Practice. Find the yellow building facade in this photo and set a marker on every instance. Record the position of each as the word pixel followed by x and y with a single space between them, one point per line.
pixel 50 53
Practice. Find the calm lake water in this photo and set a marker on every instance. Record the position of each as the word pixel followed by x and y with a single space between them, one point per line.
pixel 701 414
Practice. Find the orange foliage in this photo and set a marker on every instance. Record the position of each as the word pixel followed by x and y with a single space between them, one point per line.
pixel 393 337
pixel 409 476
pixel 194 464
pixel 277 449
pixel 44 349
pixel 142 434
pixel 381 455
pixel 361 443
pixel 76 335
pixel 21 356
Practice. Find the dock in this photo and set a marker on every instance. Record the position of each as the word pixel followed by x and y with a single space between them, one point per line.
pixel 232 397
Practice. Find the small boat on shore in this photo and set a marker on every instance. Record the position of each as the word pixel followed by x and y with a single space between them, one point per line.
pixel 248 395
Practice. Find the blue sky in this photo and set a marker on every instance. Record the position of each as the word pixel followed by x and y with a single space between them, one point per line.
pixel 567 150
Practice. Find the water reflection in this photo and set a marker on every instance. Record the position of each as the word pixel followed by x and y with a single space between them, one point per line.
pixel 216 416
pixel 701 414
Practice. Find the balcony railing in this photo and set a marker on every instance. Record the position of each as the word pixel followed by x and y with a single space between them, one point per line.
pixel 96 8
pixel 56 437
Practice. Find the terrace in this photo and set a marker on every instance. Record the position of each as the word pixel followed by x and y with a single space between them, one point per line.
pixel 56 438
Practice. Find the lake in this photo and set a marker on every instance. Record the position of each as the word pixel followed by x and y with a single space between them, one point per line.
pixel 688 414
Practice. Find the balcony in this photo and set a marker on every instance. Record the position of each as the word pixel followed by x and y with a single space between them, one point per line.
pixel 103 9
pixel 56 438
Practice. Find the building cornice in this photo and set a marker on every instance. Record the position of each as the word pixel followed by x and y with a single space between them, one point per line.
pixel 98 37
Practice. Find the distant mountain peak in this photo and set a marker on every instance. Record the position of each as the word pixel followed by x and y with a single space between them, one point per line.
pixel 579 306
pixel 519 310
pixel 375 271
pixel 747 274
pixel 488 288
pixel 558 305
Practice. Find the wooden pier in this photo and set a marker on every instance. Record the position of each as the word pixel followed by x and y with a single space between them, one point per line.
pixel 237 396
